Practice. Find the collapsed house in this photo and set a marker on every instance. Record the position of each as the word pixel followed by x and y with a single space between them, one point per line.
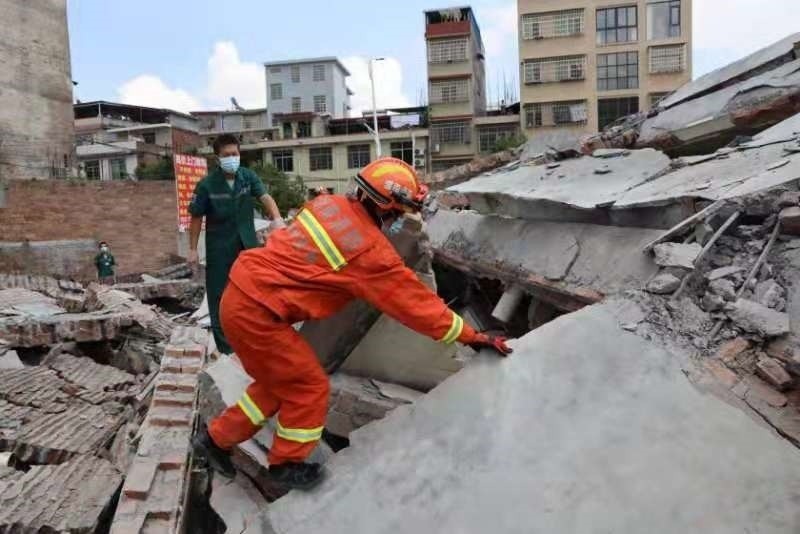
pixel 653 295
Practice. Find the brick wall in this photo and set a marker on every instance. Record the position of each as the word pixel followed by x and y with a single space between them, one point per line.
pixel 138 219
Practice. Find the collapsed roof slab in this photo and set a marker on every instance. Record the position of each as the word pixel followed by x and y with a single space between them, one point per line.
pixel 566 264
pixel 574 190
pixel 585 428
pixel 716 118
pixel 765 59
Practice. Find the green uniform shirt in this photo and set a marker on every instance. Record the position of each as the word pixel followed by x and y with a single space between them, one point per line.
pixel 105 264
pixel 229 230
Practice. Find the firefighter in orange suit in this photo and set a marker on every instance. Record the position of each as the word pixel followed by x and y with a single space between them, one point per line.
pixel 334 251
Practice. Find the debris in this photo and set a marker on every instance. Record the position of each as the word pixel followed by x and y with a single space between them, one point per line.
pixel 508 303
pixel 605 169
pixel 770 294
pixel 676 255
pixel 72 497
pixel 712 302
pixel 610 152
pixel 774 373
pixel 723 272
pixel 237 502
pixel 705 213
pixel 760 391
pixel 663 284
pixel 790 220
pixel 723 288
pixel 354 402
pixel 729 350
pixel 757 319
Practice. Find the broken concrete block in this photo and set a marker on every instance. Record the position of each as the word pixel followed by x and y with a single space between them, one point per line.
pixel 712 302
pixel 723 288
pixel 723 272
pixel 237 502
pixel 770 294
pixel 610 152
pixel 790 220
pixel 71 497
pixel 758 319
pixel 677 254
pixel 773 373
pixel 9 359
pixel 703 232
pixel 663 284
pixel 354 402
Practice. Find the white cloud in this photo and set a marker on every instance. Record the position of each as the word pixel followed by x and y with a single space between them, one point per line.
pixel 229 76
pixel 388 84
pixel 149 90
pixel 499 30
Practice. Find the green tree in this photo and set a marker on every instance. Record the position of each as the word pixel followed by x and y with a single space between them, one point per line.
pixel 163 169
pixel 508 143
pixel 288 192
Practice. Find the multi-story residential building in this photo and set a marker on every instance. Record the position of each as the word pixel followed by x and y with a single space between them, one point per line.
pixel 315 85
pixel 114 139
pixel 248 125
pixel 328 152
pixel 586 63
pixel 459 125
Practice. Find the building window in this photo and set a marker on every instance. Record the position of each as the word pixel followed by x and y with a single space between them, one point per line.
pixel 490 136
pixel 555 24
pixel 295 69
pixel 275 70
pixel 667 59
pixel 276 121
pixel 208 124
pixel 92 169
pixel 321 158
pixel 276 91
pixel 297 104
pixel 449 91
pixel 547 114
pixel 287 130
pixel 451 133
pixel 319 73
pixel 559 69
pixel 447 50
pixel 283 160
pixel 149 138
pixel 403 150
pixel 303 129
pixel 611 109
pixel 357 156
pixel 320 104
pixel 118 170
pixel 663 19
pixel 618 71
pixel 617 25
pixel 656 98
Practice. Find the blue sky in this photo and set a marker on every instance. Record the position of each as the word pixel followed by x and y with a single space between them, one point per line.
pixel 190 54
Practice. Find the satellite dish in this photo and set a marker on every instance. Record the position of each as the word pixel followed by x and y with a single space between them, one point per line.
pixel 236 105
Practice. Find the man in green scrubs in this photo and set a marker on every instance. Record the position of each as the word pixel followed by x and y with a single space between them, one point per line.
pixel 226 198
pixel 105 263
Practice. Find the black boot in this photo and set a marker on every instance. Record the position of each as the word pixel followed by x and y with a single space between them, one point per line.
pixel 218 459
pixel 292 475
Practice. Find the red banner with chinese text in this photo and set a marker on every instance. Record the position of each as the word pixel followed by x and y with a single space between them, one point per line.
pixel 188 171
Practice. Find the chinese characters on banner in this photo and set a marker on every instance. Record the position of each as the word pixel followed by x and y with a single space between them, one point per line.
pixel 188 171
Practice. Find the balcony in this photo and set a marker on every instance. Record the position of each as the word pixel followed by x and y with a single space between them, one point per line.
pixel 553 70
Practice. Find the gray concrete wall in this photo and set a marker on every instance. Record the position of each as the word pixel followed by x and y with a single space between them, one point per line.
pixel 36 120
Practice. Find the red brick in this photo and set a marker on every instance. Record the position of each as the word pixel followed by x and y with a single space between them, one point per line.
pixel 773 373
pixel 727 377
pixel 781 349
pixel 140 478
pixel 762 391
pixel 729 350
pixel 170 416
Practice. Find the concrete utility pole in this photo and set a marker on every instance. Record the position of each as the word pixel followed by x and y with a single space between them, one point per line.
pixel 374 108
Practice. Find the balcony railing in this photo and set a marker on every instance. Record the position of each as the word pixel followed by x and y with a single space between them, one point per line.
pixel 551 70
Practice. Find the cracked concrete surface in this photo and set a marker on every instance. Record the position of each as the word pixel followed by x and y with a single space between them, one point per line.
pixel 597 431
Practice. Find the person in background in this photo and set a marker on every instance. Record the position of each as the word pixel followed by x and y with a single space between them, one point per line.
pixel 105 262
pixel 226 198
pixel 333 252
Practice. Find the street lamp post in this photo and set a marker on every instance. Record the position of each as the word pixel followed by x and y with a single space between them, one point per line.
pixel 375 108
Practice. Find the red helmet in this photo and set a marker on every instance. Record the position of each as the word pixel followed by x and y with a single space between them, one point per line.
pixel 392 184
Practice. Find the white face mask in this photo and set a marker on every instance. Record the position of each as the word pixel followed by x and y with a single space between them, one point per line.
pixel 104 248
pixel 229 164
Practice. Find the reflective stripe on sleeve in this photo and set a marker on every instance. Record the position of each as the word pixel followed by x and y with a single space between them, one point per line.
pixel 251 410
pixel 300 435
pixel 321 238
pixel 455 330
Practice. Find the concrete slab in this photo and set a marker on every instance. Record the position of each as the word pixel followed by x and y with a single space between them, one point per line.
pixel 619 441
pixel 569 257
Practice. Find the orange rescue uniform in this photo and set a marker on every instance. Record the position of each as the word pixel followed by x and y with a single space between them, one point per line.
pixel 332 253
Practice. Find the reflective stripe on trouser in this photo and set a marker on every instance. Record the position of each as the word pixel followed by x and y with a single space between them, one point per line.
pixel 321 238
pixel 455 330
pixel 288 381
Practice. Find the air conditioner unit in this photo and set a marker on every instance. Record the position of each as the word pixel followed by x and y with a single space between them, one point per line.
pixel 419 162
pixel 419 152
pixel 435 148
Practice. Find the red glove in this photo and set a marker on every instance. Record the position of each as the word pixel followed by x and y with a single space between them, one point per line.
pixel 497 343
